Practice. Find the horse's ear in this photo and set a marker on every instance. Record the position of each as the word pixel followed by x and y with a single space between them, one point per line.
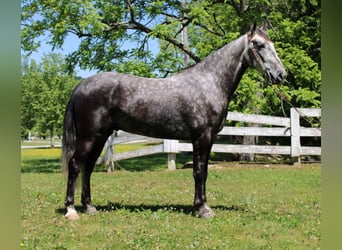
pixel 264 26
pixel 252 30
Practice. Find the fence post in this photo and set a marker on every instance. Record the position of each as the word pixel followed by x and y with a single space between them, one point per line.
pixel 295 137
pixel 109 153
pixel 171 147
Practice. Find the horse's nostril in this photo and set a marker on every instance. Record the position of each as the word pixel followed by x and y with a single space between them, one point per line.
pixel 281 76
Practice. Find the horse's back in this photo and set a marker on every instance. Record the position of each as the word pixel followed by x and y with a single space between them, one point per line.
pixel 148 106
pixel 175 107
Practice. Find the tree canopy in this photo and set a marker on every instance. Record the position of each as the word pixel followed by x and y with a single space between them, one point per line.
pixel 117 36
pixel 44 93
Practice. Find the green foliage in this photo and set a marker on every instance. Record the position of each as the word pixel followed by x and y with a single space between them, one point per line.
pixel 133 67
pixel 46 88
pixel 107 30
pixel 249 96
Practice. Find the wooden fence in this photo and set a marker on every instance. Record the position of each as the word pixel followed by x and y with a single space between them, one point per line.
pixel 285 127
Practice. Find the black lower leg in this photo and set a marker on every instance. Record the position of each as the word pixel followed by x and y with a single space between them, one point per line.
pixel 86 195
pixel 200 177
pixel 202 148
pixel 97 145
pixel 74 171
pixel 200 201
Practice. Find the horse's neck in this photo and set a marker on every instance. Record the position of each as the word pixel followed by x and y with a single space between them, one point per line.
pixel 227 64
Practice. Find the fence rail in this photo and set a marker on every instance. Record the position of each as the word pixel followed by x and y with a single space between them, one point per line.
pixel 286 127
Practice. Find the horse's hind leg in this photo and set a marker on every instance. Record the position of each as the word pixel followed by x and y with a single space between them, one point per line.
pixel 87 171
pixel 75 165
pixel 82 159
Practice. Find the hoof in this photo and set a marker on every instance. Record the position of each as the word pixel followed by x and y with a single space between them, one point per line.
pixel 71 214
pixel 205 212
pixel 91 210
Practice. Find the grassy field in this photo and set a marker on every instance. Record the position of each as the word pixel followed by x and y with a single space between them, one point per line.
pixel 257 207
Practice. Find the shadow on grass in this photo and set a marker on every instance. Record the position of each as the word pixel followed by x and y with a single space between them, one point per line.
pixel 185 209
pixel 145 163
pixel 138 164
pixel 41 166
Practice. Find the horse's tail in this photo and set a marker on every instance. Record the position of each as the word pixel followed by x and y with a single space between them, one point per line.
pixel 69 136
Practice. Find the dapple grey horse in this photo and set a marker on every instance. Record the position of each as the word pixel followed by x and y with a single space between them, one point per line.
pixel 191 105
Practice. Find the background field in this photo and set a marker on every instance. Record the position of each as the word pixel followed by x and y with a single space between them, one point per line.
pixel 256 206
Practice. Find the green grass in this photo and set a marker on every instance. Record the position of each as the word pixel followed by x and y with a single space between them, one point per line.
pixel 256 208
pixel 48 160
pixel 29 154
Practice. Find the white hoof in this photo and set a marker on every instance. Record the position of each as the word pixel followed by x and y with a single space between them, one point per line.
pixel 91 210
pixel 71 214
pixel 205 212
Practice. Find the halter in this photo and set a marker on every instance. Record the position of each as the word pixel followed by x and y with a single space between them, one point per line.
pixel 259 60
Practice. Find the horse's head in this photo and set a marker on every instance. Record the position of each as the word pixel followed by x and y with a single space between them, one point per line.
pixel 263 57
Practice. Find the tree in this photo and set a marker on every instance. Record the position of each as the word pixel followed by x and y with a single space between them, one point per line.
pixel 28 71
pixel 46 89
pixel 105 28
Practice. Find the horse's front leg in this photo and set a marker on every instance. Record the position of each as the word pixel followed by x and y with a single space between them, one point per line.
pixel 201 151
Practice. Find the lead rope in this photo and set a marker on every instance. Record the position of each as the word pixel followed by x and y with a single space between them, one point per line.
pixel 284 98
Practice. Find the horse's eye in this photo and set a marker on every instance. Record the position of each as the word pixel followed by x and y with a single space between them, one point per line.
pixel 258 45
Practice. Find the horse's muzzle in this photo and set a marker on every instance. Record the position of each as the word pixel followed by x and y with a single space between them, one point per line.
pixel 276 77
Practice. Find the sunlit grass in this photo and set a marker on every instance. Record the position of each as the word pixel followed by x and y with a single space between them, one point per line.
pixel 34 153
pixel 256 208
pixel 148 207
pixel 47 153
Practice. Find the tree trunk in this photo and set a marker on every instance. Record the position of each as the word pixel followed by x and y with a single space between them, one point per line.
pixel 185 39
pixel 51 138
pixel 248 140
pixel 251 139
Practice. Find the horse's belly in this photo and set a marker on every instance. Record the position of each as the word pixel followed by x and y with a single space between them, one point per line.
pixel 159 126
